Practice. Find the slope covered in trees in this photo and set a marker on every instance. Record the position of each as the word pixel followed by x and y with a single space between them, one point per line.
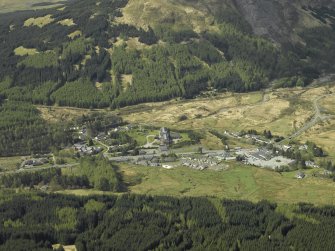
pixel 84 64
pixel 23 131
pixel 135 222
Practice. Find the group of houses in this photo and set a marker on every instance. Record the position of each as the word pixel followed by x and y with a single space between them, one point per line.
pixel 149 160
pixel 34 162
pixel 201 163
pixel 83 149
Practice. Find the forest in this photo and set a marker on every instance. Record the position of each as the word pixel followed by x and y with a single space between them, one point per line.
pixel 35 221
pixel 24 132
pixel 86 65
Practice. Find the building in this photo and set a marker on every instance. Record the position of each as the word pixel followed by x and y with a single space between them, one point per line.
pixel 164 148
pixel 303 147
pixel 262 154
pixel 300 175
pixel 34 162
pixel 164 136
pixel 311 164
pixel 175 135
pixel 142 152
pixel 285 148
pixel 84 149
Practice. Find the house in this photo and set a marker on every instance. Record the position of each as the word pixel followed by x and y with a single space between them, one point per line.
pixel 83 130
pixel 303 147
pixel 145 157
pixel 78 146
pixel 101 136
pixel 311 164
pixel 84 149
pixel 34 162
pixel 142 152
pixel 300 175
pixel 175 135
pixel 164 148
pixel 285 148
pixel 327 172
pixel 155 162
pixel 169 159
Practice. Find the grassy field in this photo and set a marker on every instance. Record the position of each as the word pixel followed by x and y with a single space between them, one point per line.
pixel 328 104
pixel 10 163
pixel 238 182
pixel 324 135
pixel 75 34
pixel 56 114
pixel 67 22
pixel 39 21
pixel 21 51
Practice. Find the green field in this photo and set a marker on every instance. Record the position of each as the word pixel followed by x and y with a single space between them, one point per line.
pixel 141 136
pixel 238 182
pixel 10 163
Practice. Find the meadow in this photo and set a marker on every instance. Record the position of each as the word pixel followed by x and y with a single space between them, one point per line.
pixel 10 163
pixel 237 182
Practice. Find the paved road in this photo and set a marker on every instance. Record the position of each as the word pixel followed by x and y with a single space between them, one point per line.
pixel 180 154
pixel 318 117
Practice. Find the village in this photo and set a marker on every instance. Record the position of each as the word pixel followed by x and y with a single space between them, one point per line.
pixel 140 145
pixel 165 148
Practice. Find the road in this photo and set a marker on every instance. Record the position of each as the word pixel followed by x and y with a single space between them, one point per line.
pixel 318 117
pixel 180 154
pixel 101 143
pixel 148 144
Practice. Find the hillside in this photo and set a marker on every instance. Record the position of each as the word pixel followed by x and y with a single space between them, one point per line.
pixel 34 221
pixel 105 54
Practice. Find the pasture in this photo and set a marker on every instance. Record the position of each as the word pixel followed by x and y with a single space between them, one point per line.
pixel 237 182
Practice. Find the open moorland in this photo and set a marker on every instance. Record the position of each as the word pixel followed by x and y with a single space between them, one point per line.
pixel 282 111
